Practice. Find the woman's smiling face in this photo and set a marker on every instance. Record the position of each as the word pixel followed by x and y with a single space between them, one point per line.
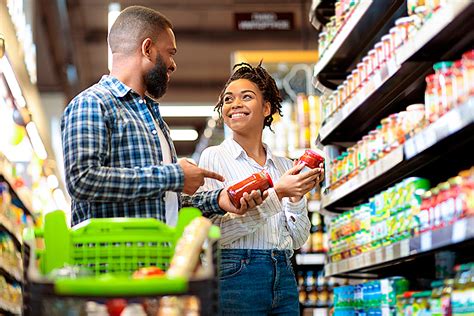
pixel 244 109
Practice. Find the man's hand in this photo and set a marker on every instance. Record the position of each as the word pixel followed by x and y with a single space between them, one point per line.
pixel 194 176
pixel 247 202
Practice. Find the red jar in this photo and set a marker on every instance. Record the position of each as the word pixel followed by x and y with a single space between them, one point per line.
pixel 311 159
pixel 257 181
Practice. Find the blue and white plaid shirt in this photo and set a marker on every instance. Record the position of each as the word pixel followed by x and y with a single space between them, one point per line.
pixel 113 159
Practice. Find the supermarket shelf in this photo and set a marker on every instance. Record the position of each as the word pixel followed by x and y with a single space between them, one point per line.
pixel 425 148
pixel 315 311
pixel 22 195
pixel 371 175
pixel 311 259
pixel 321 12
pixel 6 226
pixel 408 249
pixel 354 39
pixel 7 309
pixel 9 274
pixel 451 123
pixel 402 80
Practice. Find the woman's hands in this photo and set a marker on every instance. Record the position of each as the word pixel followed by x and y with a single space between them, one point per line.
pixel 295 184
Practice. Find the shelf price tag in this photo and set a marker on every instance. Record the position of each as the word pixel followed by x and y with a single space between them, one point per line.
pixel 405 248
pixel 426 241
pixel 389 253
pixel 378 256
pixel 459 231
pixel 419 142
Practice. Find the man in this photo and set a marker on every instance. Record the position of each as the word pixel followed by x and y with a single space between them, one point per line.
pixel 118 155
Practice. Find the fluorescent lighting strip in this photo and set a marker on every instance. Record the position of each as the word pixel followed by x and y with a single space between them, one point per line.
pixel 36 141
pixel 7 70
pixel 184 134
pixel 187 110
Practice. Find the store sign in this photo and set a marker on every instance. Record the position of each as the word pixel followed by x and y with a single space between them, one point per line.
pixel 264 21
pixel 22 21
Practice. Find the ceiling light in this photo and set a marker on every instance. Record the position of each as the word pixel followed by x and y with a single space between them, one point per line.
pixel 52 181
pixel 184 134
pixel 114 12
pixel 186 110
pixel 36 141
pixel 7 70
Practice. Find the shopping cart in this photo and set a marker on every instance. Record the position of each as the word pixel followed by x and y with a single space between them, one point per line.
pixel 109 251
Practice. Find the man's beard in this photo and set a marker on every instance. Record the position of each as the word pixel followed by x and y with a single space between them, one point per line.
pixel 156 80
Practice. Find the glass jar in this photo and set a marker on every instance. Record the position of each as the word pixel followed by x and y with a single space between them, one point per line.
pixel 444 72
pixel 351 165
pixel 394 130
pixel 372 149
pixel 386 137
pixel 380 54
pixel 364 153
pixel 468 72
pixel 311 158
pixel 395 38
pixel 362 73
pixel 355 80
pixel 443 197
pixel 340 97
pixel 257 181
pixel 457 199
pixel 415 117
pixel 345 92
pixel 435 211
pixel 403 28
pixel 350 86
pixel 323 42
pixel 387 46
pixel 374 59
pixel 360 155
pixel 431 98
pixel 369 68
pixel 345 166
pixel 459 95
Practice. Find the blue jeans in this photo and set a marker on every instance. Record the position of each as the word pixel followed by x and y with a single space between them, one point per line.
pixel 257 282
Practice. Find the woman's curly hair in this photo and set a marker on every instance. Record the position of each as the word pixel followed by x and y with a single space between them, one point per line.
pixel 260 77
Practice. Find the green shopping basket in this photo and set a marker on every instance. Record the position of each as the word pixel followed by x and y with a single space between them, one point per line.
pixel 112 249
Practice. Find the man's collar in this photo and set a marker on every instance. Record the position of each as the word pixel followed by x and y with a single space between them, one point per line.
pixel 118 88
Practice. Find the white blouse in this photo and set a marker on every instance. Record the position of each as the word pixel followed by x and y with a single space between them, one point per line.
pixel 274 224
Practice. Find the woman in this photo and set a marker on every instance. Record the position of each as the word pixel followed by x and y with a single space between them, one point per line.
pixel 256 274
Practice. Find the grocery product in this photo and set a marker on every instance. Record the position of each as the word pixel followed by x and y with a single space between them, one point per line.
pixel 257 181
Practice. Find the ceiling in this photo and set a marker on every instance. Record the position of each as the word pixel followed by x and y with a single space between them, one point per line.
pixel 72 49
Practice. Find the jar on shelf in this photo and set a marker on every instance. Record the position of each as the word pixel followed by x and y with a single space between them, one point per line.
pixel 373 59
pixel 393 131
pixel 413 4
pixel 468 72
pixel 345 166
pixel 351 161
pixel 369 67
pixel 387 46
pixel 350 87
pixel 459 95
pixel 372 150
pixel 435 211
pixel 339 11
pixel 395 38
pixel 386 137
pixel 333 166
pixel 339 101
pixel 379 141
pixel 457 197
pixel 345 93
pixel 355 80
pixel 323 42
pixel 402 127
pixel 422 13
pixel 445 91
pixel 403 27
pixel 415 117
pixel 364 152
pixel 380 54
pixel 362 73
pixel 359 155
pixel 431 98
pixel 339 168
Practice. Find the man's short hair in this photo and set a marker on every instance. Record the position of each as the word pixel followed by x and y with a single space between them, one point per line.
pixel 133 25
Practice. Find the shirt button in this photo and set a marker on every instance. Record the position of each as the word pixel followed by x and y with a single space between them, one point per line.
pixel 154 132
pixel 292 219
pixel 141 101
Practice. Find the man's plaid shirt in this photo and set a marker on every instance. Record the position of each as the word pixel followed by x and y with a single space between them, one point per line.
pixel 113 159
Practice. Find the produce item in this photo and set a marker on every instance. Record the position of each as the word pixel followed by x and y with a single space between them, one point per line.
pixel 149 272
